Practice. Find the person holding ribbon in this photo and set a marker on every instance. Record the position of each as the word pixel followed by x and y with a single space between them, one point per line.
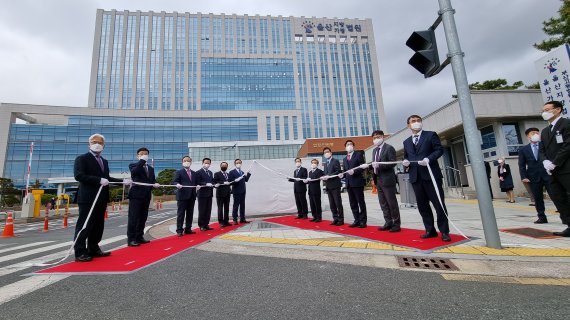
pixel 92 172
pixel 223 193
pixel 422 149
pixel 300 190
pixel 315 191
pixel 333 184
pixel 355 183
pixel 205 194
pixel 185 196
pixel 238 190
pixel 139 198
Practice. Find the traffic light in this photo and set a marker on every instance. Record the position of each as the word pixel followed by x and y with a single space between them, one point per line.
pixel 426 59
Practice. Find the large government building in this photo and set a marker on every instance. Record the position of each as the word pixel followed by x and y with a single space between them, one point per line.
pixel 209 85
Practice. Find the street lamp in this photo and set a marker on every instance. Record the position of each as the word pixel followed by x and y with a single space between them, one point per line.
pixel 123 175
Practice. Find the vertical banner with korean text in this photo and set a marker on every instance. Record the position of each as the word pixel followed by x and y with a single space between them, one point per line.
pixel 554 76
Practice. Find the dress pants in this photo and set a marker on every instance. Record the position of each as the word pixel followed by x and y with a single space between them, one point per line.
pixel 88 240
pixel 138 214
pixel 185 210
pixel 560 187
pixel 223 204
pixel 335 202
pixel 389 204
pixel 357 204
pixel 316 208
pixel 239 202
pixel 204 211
pixel 537 189
pixel 301 202
pixel 425 192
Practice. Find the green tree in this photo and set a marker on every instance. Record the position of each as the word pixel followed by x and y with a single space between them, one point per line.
pixel 8 194
pixel 497 84
pixel 558 28
pixel 164 177
pixel 535 85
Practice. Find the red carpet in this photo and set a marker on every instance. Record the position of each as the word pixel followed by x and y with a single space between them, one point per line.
pixel 130 259
pixel 406 238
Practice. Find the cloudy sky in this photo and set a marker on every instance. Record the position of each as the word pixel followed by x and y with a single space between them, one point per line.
pixel 46 46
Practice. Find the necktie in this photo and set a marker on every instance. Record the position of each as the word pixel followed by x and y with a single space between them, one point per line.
pixel 297 173
pixel 535 151
pixel 226 175
pixel 348 157
pixel 551 126
pixel 189 174
pixel 100 161
pixel 146 170
pixel 416 138
pixel 239 171
pixel 377 158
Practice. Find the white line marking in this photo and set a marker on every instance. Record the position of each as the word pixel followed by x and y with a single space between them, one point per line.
pixel 130 262
pixel 34 251
pixel 23 287
pixel 167 248
pixel 25 246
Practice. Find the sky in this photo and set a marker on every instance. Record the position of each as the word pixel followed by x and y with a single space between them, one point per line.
pixel 46 46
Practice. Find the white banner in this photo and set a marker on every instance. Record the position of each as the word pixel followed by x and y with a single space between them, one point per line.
pixel 553 72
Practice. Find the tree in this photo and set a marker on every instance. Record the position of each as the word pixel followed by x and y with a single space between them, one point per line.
pixel 164 177
pixel 558 28
pixel 8 194
pixel 498 84
pixel 535 85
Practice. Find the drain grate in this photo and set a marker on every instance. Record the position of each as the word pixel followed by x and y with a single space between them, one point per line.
pixel 427 263
pixel 267 225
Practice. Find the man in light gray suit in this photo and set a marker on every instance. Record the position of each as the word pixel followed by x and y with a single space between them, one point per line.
pixel 385 179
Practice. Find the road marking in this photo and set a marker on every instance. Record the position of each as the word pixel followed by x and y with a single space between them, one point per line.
pixel 167 249
pixel 25 246
pixel 34 251
pixel 23 287
pixel 512 280
pixel 130 262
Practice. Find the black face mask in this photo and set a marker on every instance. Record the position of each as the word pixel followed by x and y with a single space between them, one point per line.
pixel 224 168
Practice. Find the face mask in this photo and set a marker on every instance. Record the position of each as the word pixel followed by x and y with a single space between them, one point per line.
pixel 500 161
pixel 206 166
pixel 349 149
pixel 378 141
pixel 327 155
pixel 297 164
pixel 417 125
pixel 547 115
pixel 186 164
pixel 224 168
pixel 535 138
pixel 143 157
pixel 238 165
pixel 96 147
pixel 313 165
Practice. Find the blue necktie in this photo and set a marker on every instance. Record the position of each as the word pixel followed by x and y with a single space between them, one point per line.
pixel 535 151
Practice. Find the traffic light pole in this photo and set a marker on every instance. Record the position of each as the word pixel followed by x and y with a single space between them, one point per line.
pixel 470 126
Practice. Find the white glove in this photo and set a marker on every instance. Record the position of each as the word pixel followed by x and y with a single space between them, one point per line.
pixel 208 184
pixel 424 162
pixel 325 178
pixel 226 183
pixel 350 172
pixel 238 179
pixel 156 185
pixel 340 175
pixel 364 166
pixel 306 180
pixel 198 188
pixel 548 165
pixel 549 172
pixel 216 185
pixel 406 163
pixel 104 182
pixel 127 182
pixel 178 186
pixel 375 165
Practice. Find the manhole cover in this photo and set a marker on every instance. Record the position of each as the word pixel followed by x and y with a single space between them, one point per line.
pixel 426 263
pixel 267 225
pixel 531 232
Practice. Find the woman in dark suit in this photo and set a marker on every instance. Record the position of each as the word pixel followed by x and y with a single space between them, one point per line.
pixel 506 180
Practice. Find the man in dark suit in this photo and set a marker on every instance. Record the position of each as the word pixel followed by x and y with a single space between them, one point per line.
pixel 300 190
pixel 238 190
pixel 385 179
pixel 92 172
pixel 424 148
pixel 355 183
pixel 185 196
pixel 139 198
pixel 532 171
pixel 333 185
pixel 315 191
pixel 223 193
pixel 205 183
pixel 555 156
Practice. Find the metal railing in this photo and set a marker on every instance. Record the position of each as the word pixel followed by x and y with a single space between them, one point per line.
pixel 453 180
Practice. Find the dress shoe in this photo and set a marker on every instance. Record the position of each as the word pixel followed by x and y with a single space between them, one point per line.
pixel 298 217
pixel 445 237
pixel 235 222
pixel 565 233
pixel 429 235
pixel 203 229
pixel 133 244
pixel 333 223
pixel 188 231
pixel 208 228
pixel 100 253
pixel 313 220
pixel 531 204
pixel 143 241
pixel 541 221
pixel 83 258
pixel 385 227
pixel 354 225
pixel 339 223
pixel 395 229
pixel 318 220
pixel 362 225
pixel 243 221
pixel 179 234
pixel 304 217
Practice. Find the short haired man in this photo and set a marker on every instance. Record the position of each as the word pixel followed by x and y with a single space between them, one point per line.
pixel 333 185
pixel 355 183
pixel 315 191
pixel 185 180
pixel 205 193
pixel 238 189
pixel 223 193
pixel 300 189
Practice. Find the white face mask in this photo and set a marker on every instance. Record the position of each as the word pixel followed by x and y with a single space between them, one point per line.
pixel 144 157
pixel 298 164
pixel 535 138
pixel 206 166
pixel 547 115
pixel 500 161
pixel 313 165
pixel 378 141
pixel 327 155
pixel 238 165
pixel 416 125
pixel 186 164
pixel 95 147
pixel 349 148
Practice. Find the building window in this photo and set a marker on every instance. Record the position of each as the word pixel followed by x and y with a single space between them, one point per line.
pixel 512 138
pixel 286 127
pixel 268 121
pixel 295 131
pixel 277 129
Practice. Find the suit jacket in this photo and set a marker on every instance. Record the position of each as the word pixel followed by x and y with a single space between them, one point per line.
pixel 315 186
pixel 558 153
pixel 384 174
pixel 238 187
pixel 87 172
pixel 529 167
pixel 332 168
pixel 299 186
pixel 202 178
pixel 181 176
pixel 429 146
pixel 138 174
pixel 357 179
pixel 222 191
